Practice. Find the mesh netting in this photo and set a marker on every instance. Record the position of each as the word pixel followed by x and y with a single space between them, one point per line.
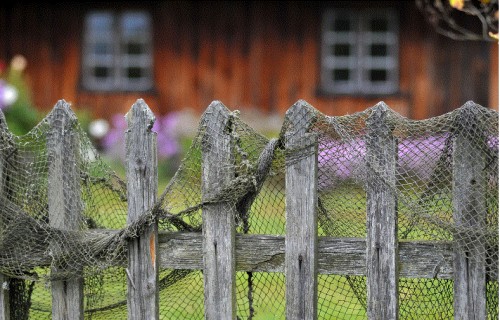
pixel 87 240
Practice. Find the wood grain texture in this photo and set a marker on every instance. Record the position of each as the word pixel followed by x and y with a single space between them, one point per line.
pixel 261 55
pixel 65 204
pixel 4 298
pixel 142 184
pixel 381 218
pixel 301 179
pixel 469 213
pixel 4 280
pixel 218 224
pixel 340 256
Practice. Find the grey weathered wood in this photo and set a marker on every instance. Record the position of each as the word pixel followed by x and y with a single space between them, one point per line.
pixel 469 214
pixel 4 280
pixel 4 298
pixel 301 218
pixel 340 256
pixel 381 216
pixel 142 186
pixel 64 200
pixel 218 219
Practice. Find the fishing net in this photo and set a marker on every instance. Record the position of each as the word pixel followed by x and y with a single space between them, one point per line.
pixel 63 211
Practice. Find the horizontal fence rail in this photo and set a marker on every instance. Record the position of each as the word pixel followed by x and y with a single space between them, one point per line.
pixel 342 256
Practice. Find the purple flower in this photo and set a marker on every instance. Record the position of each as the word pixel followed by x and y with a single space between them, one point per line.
pixel 493 143
pixel 116 134
pixel 165 127
pixel 417 157
pixel 342 160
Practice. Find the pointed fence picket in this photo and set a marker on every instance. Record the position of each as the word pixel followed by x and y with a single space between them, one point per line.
pixel 4 280
pixel 65 205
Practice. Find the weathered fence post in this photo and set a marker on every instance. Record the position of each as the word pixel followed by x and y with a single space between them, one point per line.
pixel 218 219
pixel 4 298
pixel 469 215
pixel 4 280
pixel 64 201
pixel 381 216
pixel 142 185
pixel 301 216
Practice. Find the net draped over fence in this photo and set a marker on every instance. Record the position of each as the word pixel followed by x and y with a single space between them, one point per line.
pixel 63 211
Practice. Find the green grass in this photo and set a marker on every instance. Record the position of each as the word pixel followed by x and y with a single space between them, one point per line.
pixel 338 296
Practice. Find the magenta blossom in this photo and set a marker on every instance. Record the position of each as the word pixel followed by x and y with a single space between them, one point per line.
pixel 418 157
pixel 165 127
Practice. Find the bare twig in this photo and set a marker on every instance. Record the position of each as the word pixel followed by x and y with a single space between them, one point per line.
pixel 446 20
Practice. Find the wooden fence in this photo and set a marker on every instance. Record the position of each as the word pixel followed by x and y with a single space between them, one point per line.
pixel 301 255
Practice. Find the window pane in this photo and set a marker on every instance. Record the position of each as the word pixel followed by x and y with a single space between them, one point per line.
pixel 342 25
pixel 134 72
pixel 134 23
pixel 359 51
pixel 342 50
pixel 102 48
pixel 98 23
pixel 377 75
pixel 341 74
pixel 378 50
pixel 101 72
pixel 134 48
pixel 379 25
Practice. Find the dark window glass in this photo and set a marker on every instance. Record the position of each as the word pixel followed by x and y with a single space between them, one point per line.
pixel 341 25
pixel 377 75
pixel 101 72
pixel 379 25
pixel 134 72
pixel 378 50
pixel 341 50
pixel 341 74
pixel 134 48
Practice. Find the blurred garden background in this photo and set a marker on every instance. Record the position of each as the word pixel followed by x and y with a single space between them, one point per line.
pixel 423 58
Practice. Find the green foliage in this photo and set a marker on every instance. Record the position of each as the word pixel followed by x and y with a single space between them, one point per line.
pixel 22 115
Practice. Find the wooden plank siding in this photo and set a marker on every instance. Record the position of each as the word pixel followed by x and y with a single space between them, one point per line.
pixel 262 55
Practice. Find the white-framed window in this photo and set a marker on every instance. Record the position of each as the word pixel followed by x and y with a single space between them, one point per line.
pixel 117 51
pixel 359 51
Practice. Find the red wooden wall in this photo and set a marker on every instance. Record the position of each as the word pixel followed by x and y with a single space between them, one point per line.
pixel 257 54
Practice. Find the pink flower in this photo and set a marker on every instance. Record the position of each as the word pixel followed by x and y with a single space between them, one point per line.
pixel 165 127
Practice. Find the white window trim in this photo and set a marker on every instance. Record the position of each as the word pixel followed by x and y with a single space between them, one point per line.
pixel 117 61
pixel 359 61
